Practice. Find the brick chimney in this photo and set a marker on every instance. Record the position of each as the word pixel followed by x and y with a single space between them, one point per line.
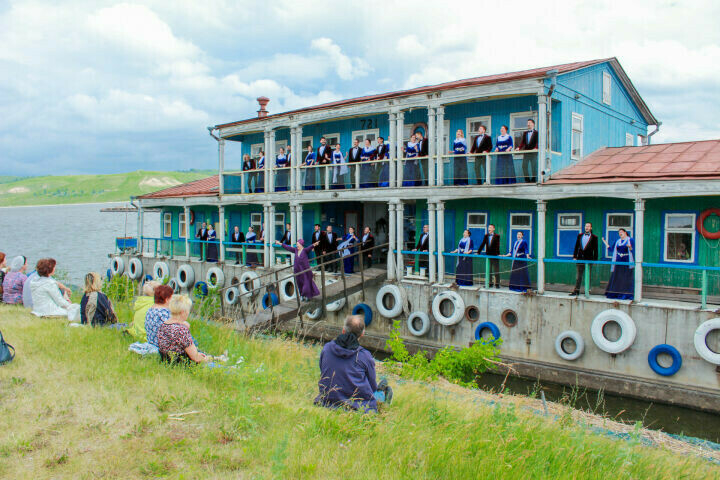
pixel 263 101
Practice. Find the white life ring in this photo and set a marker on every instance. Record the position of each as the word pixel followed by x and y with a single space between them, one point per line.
pixel 186 277
pixel 249 278
pixel 423 318
pixel 627 331
pixel 394 294
pixel 135 268
pixel 231 296
pixel 287 289
pixel 160 271
pixel 458 308
pixel 117 266
pixel 172 283
pixel 215 278
pixel 701 340
pixel 579 345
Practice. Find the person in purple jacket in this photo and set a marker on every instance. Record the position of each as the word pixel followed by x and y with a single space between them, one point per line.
pixel 347 372
pixel 305 284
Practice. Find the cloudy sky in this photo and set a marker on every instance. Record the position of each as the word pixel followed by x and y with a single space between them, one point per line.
pixel 105 86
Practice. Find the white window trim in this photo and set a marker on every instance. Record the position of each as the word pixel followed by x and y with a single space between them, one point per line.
pixel 304 139
pixel 182 223
pixel 690 230
pixel 167 222
pixel 607 78
pixel 512 238
pixel 609 229
pixel 629 140
pixel 531 113
pixel 280 222
pixel 467 220
pixel 329 135
pixel 256 147
pixel 260 223
pixel 364 134
pixel 558 229
pixel 582 135
pixel 485 120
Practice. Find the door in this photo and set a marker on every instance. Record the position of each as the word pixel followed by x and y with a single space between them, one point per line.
pixel 520 222
pixel 352 219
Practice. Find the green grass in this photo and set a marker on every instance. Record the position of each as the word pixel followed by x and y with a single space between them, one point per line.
pixel 76 404
pixel 16 191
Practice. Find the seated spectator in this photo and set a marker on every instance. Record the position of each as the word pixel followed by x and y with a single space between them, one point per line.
pixel 2 273
pixel 12 286
pixel 48 301
pixel 158 313
pixel 95 307
pixel 174 340
pixel 27 292
pixel 347 372
pixel 140 309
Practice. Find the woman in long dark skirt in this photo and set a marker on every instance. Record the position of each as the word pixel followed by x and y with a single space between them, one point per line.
pixel 464 265
pixel 260 177
pixel 460 166
pixel 305 284
pixel 410 166
pixel 281 174
pixel 211 249
pixel 367 155
pixel 310 171
pixel 505 163
pixel 251 257
pixel 622 282
pixel 520 275
pixel 346 250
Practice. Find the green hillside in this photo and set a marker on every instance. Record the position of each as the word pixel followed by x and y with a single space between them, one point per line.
pixel 50 190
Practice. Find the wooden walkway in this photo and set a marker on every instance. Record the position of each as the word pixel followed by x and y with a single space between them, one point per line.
pixel 283 312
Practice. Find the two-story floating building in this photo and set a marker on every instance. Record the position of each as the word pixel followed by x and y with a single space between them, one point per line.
pixel 593 162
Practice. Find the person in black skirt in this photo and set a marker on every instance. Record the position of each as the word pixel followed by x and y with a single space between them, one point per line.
pixel 622 283
pixel 464 266
pixel 520 276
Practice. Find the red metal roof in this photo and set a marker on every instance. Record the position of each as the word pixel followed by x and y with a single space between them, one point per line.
pixel 469 82
pixel 204 186
pixel 664 161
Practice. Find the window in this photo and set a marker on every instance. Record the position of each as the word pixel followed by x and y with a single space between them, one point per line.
pixel 613 223
pixel 520 222
pixel 576 147
pixel 280 144
pixel 183 225
pixel 167 224
pixel 607 88
pixel 361 135
pixel 305 142
pixel 476 220
pixel 679 237
pixel 256 222
pixel 472 125
pixel 629 140
pixel 255 149
pixel 279 225
pixel 569 225
pixel 332 139
pixel 518 125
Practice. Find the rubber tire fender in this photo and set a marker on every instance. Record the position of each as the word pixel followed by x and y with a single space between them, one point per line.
pixel 231 296
pixel 117 266
pixel 249 276
pixel 424 318
pixel 135 268
pixel 659 369
pixel 700 341
pixel 489 325
pixel 217 273
pixel 284 297
pixel 187 272
pixel 172 283
pixel 366 310
pixel 579 345
pixel 458 304
pixel 271 297
pixel 398 296
pixel 627 328
pixel 160 270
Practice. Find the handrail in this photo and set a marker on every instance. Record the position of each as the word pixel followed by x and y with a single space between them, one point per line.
pixel 487 154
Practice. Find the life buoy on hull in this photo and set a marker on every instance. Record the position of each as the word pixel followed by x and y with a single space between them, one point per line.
pixel 627 331
pixel 669 350
pixel 424 320
pixel 701 224
pixel 579 345
pixel 700 341
pixel 494 331
pixel 457 304
pixel 366 312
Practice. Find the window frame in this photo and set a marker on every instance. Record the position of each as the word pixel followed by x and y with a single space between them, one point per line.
pixel 558 228
pixel 257 231
pixel 303 147
pixel 530 113
pixel 511 238
pixel 629 140
pixel 485 120
pixel 330 144
pixel 607 80
pixel 692 230
pixel 182 222
pixel 607 228
pixel 468 226
pixel 364 134
pixel 167 222
pixel 255 149
pixel 573 116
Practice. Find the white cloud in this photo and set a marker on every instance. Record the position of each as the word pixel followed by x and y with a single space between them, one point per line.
pixel 347 68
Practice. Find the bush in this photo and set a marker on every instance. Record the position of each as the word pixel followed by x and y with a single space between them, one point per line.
pixel 462 367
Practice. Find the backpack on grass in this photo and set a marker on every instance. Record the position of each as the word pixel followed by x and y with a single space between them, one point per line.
pixel 5 355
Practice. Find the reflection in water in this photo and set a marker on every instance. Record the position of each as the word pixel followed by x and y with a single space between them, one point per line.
pixel 79 237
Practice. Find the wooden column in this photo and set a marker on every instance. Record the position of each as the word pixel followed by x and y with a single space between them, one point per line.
pixel 440 143
pixel 221 166
pixel 299 228
pixel 541 210
pixel 392 230
pixel 440 209
pixel 542 136
pixel 400 124
pixel 432 260
pixel 638 253
pixel 392 150
pixel 221 232
pixel 399 231
pixel 432 146
pixel 293 152
pixel 270 159
pixel 188 228
pixel 266 228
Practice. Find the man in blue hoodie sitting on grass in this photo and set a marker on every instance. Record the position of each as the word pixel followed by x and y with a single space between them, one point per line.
pixel 347 372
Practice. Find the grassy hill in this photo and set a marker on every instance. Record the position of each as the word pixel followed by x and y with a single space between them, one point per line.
pixel 77 404
pixel 48 190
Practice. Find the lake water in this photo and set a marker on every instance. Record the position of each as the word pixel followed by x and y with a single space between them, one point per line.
pixel 79 237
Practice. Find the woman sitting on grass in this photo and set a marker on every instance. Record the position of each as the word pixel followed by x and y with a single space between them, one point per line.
pixel 12 286
pixel 47 299
pixel 174 340
pixel 158 313
pixel 140 309
pixel 95 307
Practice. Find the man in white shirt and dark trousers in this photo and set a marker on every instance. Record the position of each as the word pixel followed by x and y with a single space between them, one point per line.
pixel 586 248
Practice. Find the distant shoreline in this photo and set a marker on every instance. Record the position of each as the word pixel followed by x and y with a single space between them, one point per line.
pixel 63 204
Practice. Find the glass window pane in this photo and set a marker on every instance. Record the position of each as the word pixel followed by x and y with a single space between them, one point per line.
pixel 569 220
pixel 679 246
pixel 575 144
pixel 476 219
pixel 680 221
pixel 619 221
pixel 520 220
pixel 576 123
